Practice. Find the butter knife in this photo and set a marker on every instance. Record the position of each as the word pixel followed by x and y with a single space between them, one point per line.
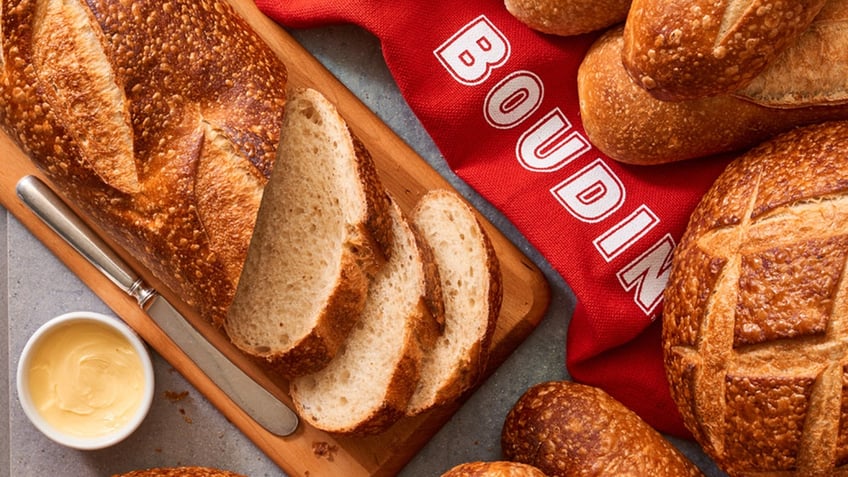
pixel 262 406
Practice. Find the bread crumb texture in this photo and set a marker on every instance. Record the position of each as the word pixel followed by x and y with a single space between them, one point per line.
pixel 756 315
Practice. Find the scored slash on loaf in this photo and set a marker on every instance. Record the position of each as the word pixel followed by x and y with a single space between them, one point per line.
pixel 146 117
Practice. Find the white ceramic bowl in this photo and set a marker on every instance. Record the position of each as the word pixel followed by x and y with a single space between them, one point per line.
pixel 61 324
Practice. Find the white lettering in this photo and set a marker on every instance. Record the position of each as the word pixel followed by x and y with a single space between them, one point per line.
pixel 625 233
pixel 550 144
pixel 648 274
pixel 474 51
pixel 513 100
pixel 591 194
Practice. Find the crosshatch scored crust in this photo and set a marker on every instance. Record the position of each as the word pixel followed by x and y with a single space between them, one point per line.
pixel 756 309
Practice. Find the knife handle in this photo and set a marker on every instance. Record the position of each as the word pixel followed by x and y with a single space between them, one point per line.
pixel 67 224
pixel 258 402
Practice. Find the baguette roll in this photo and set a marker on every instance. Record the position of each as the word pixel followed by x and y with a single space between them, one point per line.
pixel 145 116
pixel 811 72
pixel 685 49
pixel 568 17
pixel 183 471
pixel 498 468
pixel 628 124
pixel 755 311
pixel 567 429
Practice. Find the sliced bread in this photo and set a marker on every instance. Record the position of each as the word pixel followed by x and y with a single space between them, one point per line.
pixel 322 231
pixel 471 285
pixel 367 387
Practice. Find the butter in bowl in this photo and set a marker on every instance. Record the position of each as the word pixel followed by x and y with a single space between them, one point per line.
pixel 85 380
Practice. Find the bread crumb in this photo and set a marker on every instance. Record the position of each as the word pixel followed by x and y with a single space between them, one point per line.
pixel 324 449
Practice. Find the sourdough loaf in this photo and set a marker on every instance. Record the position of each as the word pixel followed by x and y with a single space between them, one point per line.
pixel 568 17
pixel 755 311
pixel 367 386
pixel 470 278
pixel 567 429
pixel 687 49
pixel 145 115
pixel 498 468
pixel 629 125
pixel 184 471
pixel 323 230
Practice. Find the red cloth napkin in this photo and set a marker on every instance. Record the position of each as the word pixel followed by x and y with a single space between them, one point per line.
pixel 500 101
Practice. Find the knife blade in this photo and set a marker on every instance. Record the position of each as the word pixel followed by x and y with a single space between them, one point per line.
pixel 256 401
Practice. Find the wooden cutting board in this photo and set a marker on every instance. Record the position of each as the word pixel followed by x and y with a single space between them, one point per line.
pixel 309 452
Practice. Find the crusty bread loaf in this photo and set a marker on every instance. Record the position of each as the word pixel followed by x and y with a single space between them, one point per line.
pixel 570 429
pixel 323 229
pixel 367 386
pixel 498 468
pixel 754 322
pixel 688 49
pixel 470 277
pixel 810 72
pixel 568 17
pixel 145 115
pixel 629 125
pixel 184 471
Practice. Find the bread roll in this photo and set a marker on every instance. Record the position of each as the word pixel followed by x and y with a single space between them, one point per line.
pixel 186 471
pixel 568 17
pixel 147 116
pixel 755 310
pixel 810 72
pixel 629 125
pixel 570 429
pixel 688 49
pixel 494 469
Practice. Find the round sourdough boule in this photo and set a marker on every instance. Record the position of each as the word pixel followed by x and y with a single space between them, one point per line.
pixel 754 327
pixel 570 429
pixel 499 468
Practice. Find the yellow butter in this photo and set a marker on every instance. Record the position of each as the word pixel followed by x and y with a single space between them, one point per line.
pixel 86 379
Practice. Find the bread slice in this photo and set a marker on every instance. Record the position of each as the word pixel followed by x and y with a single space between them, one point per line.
pixel 322 230
pixel 471 286
pixel 367 386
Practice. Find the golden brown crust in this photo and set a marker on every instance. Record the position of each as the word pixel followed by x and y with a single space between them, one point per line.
pixel 176 72
pixel 416 330
pixel 684 49
pixel 566 429
pixel 754 311
pixel 494 469
pixel 568 17
pixel 629 125
pixel 812 70
pixel 338 317
pixel 462 351
pixel 186 471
